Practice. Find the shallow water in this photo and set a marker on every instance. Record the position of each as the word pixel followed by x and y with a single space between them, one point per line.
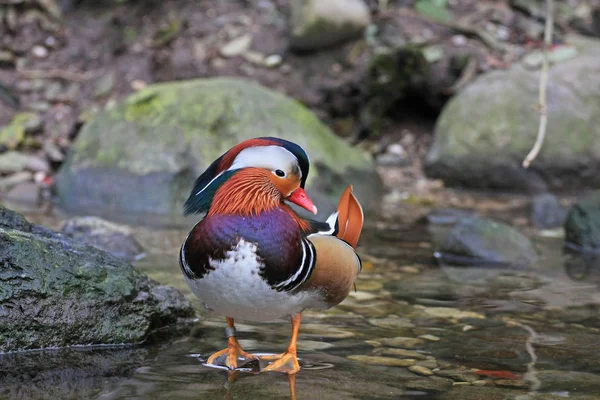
pixel 413 330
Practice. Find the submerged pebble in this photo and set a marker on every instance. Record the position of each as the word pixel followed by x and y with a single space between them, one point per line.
pixel 432 384
pixel 400 353
pixel 457 375
pixel 409 269
pixel 369 286
pixel 393 321
pixel 418 369
pixel 431 364
pixel 360 295
pixel 328 331
pixel 452 313
pixel 400 341
pixel 511 383
pixel 379 360
pixel 431 338
pixel 312 345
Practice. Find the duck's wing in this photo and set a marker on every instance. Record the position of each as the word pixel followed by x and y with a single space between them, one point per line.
pixel 336 262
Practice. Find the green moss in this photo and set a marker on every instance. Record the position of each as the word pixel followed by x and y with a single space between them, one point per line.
pixel 179 128
pixel 75 294
pixel 14 133
pixel 213 115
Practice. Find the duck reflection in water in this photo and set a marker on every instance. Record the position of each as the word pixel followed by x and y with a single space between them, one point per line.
pixel 583 265
pixel 232 376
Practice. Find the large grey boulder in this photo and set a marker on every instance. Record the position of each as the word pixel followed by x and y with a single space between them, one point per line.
pixel 55 292
pixel 484 133
pixel 142 156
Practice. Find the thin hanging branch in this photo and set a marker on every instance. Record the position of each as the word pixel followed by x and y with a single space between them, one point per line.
pixel 543 104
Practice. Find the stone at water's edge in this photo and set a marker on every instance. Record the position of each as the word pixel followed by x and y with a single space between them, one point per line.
pixel 143 156
pixel 546 212
pixel 485 132
pixel 104 235
pixel 489 241
pixel 582 228
pixel 55 292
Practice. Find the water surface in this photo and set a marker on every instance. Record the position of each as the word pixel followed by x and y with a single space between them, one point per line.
pixel 414 329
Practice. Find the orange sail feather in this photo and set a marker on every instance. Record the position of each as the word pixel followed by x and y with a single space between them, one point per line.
pixel 350 218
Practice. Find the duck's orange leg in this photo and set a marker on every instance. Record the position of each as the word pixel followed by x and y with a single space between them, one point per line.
pixel 288 361
pixel 233 351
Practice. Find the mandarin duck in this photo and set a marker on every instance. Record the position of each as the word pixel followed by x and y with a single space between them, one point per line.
pixel 251 257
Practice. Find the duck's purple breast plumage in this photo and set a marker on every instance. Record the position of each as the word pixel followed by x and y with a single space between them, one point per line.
pixel 280 243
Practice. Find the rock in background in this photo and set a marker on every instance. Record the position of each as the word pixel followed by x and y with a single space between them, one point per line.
pixel 582 227
pixel 143 156
pixel 104 235
pixel 478 240
pixel 546 212
pixel 318 24
pixel 57 293
pixel 484 132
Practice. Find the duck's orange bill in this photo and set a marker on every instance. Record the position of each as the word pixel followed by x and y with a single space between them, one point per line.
pixel 300 198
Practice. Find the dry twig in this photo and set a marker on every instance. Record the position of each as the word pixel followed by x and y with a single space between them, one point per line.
pixel 468 73
pixel 543 104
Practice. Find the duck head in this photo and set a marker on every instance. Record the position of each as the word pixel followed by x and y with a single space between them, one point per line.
pixel 254 176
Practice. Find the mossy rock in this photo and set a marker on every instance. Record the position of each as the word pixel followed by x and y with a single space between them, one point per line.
pixel 485 132
pixel 582 227
pixel 13 134
pixel 142 156
pixel 55 292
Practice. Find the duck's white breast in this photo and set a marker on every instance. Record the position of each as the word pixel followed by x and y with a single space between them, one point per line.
pixel 235 289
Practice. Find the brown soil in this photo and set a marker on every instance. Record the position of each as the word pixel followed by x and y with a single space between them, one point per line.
pixel 67 69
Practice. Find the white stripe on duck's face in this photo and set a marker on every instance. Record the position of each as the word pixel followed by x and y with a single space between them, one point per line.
pixel 235 289
pixel 269 157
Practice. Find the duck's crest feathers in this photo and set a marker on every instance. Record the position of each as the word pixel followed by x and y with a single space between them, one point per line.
pixel 216 174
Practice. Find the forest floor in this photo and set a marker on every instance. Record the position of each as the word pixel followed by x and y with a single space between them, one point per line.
pixel 62 62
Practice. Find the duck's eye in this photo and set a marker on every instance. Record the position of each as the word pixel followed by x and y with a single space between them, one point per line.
pixel 280 173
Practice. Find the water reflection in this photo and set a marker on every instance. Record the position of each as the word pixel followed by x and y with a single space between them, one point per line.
pixel 232 376
pixel 76 373
pixel 582 265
